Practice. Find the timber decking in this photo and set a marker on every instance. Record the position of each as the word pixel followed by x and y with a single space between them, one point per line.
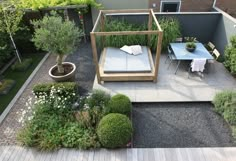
pixel 16 153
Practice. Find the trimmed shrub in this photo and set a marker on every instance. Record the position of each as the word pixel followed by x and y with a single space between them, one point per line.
pixel 221 100
pixel 24 65
pixel 230 55
pixel 114 130
pixel 45 88
pixel 119 104
pixel 98 98
pixel 230 114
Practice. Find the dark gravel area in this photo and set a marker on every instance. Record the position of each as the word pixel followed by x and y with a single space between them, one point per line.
pixel 85 74
pixel 179 125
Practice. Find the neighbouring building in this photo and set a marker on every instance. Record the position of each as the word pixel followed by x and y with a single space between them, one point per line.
pixel 229 6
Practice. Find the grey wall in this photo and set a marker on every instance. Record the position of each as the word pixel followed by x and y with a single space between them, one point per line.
pixel 224 30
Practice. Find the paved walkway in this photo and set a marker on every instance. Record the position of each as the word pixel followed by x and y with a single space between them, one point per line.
pixel 15 153
pixel 174 88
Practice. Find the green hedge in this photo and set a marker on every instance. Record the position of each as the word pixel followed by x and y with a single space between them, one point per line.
pixel 114 130
pixel 225 105
pixel 24 65
pixel 45 88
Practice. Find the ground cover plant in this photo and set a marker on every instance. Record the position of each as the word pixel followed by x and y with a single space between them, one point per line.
pixel 61 118
pixel 20 78
pixel 225 105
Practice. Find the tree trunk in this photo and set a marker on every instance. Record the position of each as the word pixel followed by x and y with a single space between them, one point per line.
pixel 14 45
pixel 60 68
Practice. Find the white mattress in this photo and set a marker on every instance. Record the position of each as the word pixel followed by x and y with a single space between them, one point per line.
pixel 118 61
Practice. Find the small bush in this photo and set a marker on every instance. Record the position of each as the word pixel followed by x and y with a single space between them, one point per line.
pixel 89 118
pixel 76 137
pixel 230 114
pixel 5 85
pixel 114 130
pixel 119 104
pixel 221 100
pixel 45 88
pixel 98 98
pixel 230 55
pixel 24 65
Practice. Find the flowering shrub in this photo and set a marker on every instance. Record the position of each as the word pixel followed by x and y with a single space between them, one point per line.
pixel 49 122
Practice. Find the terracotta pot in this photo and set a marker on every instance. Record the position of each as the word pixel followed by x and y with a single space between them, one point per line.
pixel 61 78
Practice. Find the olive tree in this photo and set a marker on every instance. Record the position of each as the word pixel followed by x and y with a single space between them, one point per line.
pixel 56 36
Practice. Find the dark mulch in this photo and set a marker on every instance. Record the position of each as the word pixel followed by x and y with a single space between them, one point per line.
pixel 85 73
pixel 179 125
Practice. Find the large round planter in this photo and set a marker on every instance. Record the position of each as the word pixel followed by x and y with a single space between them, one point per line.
pixel 68 77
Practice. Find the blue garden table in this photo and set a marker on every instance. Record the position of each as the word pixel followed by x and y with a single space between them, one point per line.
pixel 182 54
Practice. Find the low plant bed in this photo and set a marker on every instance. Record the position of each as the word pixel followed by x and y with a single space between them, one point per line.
pixel 225 105
pixel 6 85
pixel 23 66
pixel 20 78
pixel 60 118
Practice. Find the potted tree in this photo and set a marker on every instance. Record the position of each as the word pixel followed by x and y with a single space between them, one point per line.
pixel 60 37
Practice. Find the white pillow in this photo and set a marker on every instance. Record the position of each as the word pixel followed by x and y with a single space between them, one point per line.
pixel 136 49
pixel 127 49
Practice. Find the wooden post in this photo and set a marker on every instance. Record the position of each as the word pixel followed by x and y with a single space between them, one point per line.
pixel 95 56
pixel 102 23
pixel 149 27
pixel 158 54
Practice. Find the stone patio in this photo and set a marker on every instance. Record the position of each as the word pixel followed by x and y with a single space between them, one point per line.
pixel 175 88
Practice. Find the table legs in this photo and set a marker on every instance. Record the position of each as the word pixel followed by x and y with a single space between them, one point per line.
pixel 177 67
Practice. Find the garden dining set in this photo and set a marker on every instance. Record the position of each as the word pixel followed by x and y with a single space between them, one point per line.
pixel 200 57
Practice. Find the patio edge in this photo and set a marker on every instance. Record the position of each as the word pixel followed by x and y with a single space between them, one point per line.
pixel 18 94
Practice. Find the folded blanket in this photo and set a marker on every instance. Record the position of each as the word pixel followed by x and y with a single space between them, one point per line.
pixel 133 49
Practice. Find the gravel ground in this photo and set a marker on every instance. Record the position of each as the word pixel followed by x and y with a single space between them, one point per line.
pixel 85 74
pixel 179 125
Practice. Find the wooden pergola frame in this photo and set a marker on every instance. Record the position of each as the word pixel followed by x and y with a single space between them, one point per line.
pixel 101 76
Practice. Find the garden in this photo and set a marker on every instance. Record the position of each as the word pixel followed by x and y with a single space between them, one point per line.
pixel 59 115
pixel 61 118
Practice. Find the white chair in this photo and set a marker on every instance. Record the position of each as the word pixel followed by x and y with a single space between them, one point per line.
pixel 197 65
pixel 170 56
pixel 215 54
pixel 179 40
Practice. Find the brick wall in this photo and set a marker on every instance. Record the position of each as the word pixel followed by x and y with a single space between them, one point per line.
pixel 228 6
pixel 188 5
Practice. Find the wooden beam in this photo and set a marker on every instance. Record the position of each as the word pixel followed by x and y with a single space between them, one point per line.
pixel 158 54
pixel 96 23
pixel 155 19
pixel 95 56
pixel 126 33
pixel 149 27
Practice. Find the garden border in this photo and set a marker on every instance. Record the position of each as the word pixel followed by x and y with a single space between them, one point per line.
pixel 18 94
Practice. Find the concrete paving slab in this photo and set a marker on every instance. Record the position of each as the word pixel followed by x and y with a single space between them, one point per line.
pixel 172 87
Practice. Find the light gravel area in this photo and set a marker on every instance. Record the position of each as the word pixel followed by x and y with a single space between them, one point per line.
pixel 162 125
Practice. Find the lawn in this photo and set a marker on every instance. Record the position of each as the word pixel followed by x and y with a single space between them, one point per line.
pixel 20 78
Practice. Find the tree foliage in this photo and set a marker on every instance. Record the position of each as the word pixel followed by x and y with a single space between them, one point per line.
pixel 230 55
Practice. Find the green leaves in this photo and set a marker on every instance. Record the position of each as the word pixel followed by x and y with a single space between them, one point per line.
pixel 40 4
pixel 55 35
pixel 230 56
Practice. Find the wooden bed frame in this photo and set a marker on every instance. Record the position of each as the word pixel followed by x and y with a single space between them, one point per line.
pixel 101 76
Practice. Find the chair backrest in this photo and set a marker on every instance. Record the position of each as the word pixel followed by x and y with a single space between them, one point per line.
pixel 216 53
pixel 179 39
pixel 211 45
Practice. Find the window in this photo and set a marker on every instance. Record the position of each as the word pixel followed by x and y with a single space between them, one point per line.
pixel 170 6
